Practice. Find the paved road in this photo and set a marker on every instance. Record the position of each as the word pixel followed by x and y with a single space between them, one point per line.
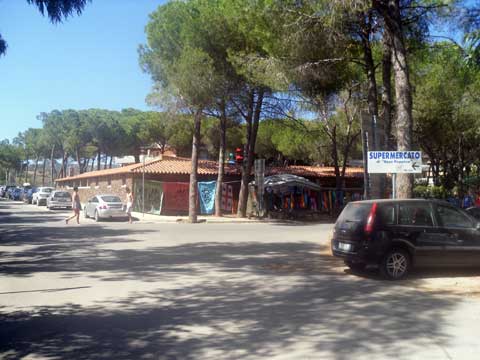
pixel 208 291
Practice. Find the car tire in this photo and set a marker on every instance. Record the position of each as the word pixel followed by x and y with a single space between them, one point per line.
pixel 96 216
pixel 395 264
pixel 355 266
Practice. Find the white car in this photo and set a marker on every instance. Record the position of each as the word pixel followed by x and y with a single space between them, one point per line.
pixel 104 207
pixel 59 199
pixel 40 197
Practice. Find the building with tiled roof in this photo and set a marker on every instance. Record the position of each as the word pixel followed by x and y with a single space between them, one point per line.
pixel 166 172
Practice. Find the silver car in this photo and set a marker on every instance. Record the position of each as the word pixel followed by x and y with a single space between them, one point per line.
pixel 104 207
pixel 40 197
pixel 59 199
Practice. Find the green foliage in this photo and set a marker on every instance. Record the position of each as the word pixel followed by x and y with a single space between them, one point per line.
pixel 430 192
pixel 447 112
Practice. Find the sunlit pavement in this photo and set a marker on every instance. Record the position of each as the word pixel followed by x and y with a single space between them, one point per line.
pixel 112 290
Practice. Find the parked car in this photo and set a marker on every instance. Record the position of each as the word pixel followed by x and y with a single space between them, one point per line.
pixel 40 197
pixel 15 194
pixel 104 207
pixel 398 234
pixel 59 199
pixel 474 211
pixel 27 198
pixel 4 192
pixel 22 194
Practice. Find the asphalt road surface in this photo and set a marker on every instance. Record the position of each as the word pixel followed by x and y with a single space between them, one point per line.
pixel 111 290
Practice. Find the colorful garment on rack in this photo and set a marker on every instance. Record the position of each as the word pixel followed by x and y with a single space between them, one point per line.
pixel 206 196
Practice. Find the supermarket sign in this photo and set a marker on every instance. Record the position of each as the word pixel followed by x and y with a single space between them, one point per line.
pixel 394 162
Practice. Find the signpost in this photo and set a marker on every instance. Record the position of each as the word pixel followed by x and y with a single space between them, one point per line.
pixel 394 162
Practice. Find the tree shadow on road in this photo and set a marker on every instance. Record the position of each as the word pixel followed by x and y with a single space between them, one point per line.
pixel 228 301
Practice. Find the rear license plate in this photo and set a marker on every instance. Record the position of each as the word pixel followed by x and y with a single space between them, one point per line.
pixel 344 246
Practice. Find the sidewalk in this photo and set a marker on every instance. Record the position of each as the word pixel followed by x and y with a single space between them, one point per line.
pixel 138 216
pixel 228 219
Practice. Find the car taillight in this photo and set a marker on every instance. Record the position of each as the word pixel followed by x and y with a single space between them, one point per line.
pixel 103 207
pixel 371 219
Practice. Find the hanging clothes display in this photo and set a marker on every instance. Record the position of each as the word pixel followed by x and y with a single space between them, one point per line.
pixel 206 196
pixel 175 197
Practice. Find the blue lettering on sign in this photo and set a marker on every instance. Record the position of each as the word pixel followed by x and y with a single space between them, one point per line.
pixel 400 155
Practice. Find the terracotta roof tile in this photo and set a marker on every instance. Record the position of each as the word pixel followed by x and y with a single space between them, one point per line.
pixel 177 165
pixel 167 165
pixel 313 171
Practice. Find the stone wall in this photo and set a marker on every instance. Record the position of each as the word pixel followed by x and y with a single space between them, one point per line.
pixel 87 188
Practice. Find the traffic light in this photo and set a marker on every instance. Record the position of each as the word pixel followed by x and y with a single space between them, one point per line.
pixel 239 155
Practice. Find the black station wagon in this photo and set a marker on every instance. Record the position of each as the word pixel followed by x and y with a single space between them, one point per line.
pixel 399 234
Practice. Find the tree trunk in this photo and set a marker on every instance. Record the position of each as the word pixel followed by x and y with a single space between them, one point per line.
pixel 221 162
pixel 26 172
pixel 111 162
pixel 43 170
pixel 387 91
pixel 137 157
pixel 390 11
pixel 252 129
pixel 377 181
pixel 62 170
pixel 243 195
pixel 52 165
pixel 105 162
pixel 99 159
pixel 65 172
pixel 79 162
pixel 34 181
pixel 192 195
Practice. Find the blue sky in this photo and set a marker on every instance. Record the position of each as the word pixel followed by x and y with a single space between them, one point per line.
pixel 89 61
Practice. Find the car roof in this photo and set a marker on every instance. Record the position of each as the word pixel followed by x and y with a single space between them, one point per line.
pixel 419 200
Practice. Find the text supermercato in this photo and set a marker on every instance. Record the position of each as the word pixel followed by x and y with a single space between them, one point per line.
pixel 394 155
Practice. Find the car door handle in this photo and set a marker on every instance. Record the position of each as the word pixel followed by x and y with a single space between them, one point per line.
pixel 459 241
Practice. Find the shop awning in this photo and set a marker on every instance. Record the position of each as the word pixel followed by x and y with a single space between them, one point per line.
pixel 287 180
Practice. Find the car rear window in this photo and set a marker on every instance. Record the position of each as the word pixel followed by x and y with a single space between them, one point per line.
pixel 46 190
pixel 62 195
pixel 111 199
pixel 355 212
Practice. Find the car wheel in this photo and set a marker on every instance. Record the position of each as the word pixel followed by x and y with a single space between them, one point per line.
pixel 85 215
pixel 355 266
pixel 97 217
pixel 395 264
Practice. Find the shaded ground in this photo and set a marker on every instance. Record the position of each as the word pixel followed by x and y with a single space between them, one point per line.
pixel 178 291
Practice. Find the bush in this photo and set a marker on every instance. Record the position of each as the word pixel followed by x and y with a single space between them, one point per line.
pixel 430 192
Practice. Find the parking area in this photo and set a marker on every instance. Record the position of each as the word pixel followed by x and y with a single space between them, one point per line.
pixel 213 291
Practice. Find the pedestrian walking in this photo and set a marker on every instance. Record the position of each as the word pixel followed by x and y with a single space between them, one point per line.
pixel 129 201
pixel 76 206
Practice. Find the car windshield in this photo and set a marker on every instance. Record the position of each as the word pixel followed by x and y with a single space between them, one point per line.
pixel 355 212
pixel 62 195
pixel 111 199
